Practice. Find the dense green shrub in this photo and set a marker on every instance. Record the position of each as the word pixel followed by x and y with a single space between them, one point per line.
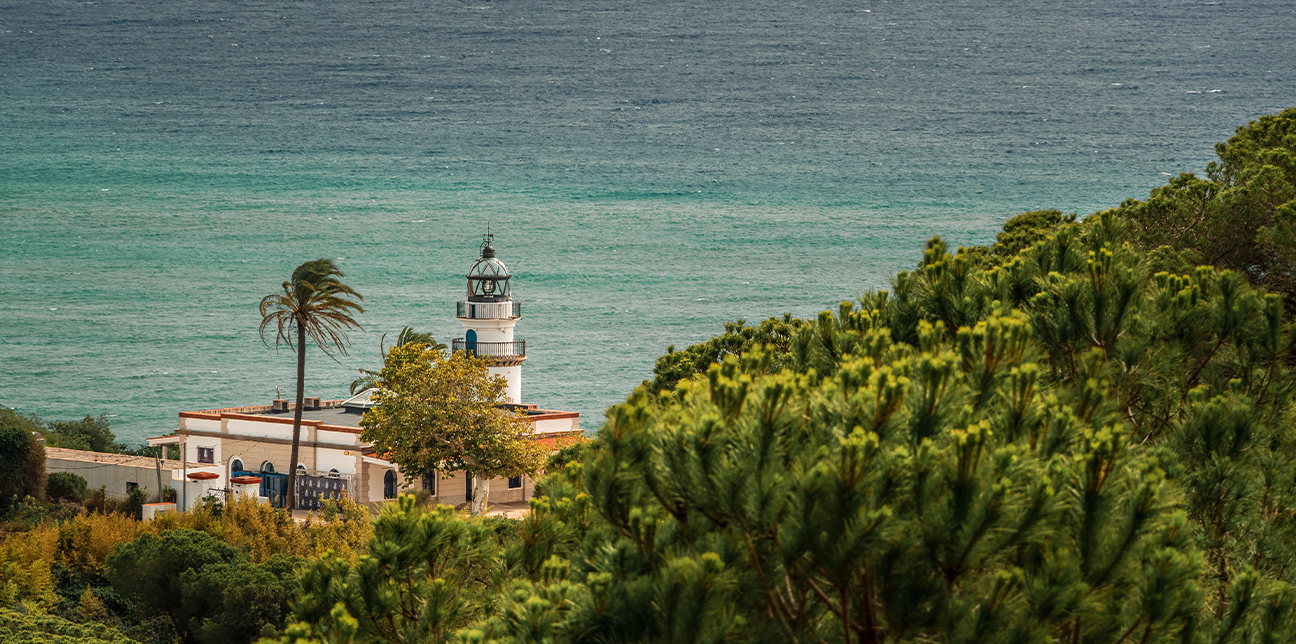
pixel 18 628
pixel 208 588
pixel 22 459
pixel 235 603
pixel 149 569
pixel 66 486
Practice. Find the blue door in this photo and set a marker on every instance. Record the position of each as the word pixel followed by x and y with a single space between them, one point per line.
pixel 470 342
pixel 273 486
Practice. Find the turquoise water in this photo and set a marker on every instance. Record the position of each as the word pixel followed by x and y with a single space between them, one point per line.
pixel 650 170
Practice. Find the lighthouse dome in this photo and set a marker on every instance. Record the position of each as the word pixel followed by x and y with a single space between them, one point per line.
pixel 488 279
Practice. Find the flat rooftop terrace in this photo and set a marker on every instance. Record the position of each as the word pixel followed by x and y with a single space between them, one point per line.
pixel 83 456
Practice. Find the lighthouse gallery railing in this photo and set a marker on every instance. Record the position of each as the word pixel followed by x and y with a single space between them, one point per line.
pixel 497 349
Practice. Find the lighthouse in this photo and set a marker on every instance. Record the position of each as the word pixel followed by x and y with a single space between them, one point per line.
pixel 488 317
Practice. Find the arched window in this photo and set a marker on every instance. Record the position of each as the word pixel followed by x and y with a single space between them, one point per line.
pixel 267 467
pixel 236 465
pixel 334 474
pixel 389 485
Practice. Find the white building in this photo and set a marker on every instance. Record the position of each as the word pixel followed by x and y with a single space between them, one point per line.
pixel 244 443
pixel 120 474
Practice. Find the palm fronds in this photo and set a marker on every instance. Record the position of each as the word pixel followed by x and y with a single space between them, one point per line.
pixel 315 301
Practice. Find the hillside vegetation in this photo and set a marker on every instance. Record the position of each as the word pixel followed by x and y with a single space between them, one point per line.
pixel 1078 434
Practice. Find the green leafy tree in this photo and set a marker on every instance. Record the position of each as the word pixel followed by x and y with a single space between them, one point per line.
pixel 90 434
pixel 369 379
pixel 314 305
pixel 208 589
pixel 338 628
pixel 446 412
pixel 22 459
pixel 1026 230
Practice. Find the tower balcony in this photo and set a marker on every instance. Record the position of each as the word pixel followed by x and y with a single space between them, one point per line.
pixel 488 310
pixel 503 354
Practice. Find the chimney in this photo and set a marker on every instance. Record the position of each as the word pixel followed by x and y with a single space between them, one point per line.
pixel 311 402
pixel 280 404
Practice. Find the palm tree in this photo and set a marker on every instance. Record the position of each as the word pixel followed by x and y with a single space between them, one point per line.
pixel 314 304
pixel 369 379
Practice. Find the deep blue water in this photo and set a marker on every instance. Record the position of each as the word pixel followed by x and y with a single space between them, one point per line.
pixel 651 170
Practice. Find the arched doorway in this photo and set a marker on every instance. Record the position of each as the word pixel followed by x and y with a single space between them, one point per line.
pixel 470 342
pixel 389 485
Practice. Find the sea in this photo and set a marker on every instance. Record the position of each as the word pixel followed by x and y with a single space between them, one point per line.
pixel 649 170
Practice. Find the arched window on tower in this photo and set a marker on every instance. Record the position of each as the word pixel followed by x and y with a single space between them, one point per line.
pixel 236 465
pixel 389 485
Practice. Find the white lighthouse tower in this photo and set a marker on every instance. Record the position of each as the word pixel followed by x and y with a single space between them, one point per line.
pixel 488 317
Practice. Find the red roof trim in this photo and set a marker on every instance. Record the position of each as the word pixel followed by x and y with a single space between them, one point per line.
pixel 204 476
pixel 245 480
pixel 341 428
pixel 554 415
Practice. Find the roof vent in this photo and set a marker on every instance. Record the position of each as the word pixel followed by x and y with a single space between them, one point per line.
pixel 279 405
pixel 312 402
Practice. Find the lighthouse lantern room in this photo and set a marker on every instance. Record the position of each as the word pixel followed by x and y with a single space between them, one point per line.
pixel 488 317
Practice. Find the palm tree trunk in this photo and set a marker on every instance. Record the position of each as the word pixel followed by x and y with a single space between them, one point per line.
pixel 291 496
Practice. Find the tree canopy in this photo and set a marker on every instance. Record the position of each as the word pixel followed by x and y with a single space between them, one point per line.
pixel 22 459
pixel 439 411
pixel 1240 216
pixel 91 433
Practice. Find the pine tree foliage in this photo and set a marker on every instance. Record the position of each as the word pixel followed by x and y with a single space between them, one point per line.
pixel 1241 215
pixel 1058 448
pixel 422 579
